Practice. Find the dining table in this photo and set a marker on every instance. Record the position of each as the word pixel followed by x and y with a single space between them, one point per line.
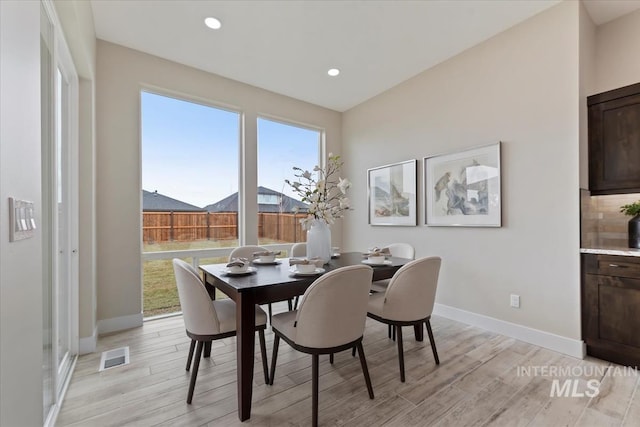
pixel 267 283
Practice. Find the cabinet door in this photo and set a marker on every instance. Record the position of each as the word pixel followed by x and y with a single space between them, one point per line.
pixel 614 146
pixel 612 318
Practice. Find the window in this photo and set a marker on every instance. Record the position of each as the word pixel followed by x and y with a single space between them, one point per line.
pixel 280 148
pixel 189 188
pixel 268 199
pixel 187 202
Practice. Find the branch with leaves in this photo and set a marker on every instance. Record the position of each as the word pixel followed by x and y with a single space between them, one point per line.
pixel 324 192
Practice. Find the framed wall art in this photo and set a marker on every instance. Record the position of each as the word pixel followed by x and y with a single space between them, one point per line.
pixel 464 188
pixel 392 194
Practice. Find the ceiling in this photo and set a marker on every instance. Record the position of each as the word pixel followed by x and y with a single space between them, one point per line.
pixel 288 46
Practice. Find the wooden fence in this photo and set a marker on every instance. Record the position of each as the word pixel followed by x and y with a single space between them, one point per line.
pixel 158 227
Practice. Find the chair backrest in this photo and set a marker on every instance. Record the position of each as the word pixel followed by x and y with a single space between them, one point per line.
pixel 299 250
pixel 402 250
pixel 334 309
pixel 245 252
pixel 412 290
pixel 197 311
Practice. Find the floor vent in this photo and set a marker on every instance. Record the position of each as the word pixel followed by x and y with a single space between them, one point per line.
pixel 114 358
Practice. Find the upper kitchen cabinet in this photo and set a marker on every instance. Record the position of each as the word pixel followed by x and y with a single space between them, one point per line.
pixel 614 141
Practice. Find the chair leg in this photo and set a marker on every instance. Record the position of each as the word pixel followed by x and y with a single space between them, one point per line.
pixel 433 342
pixel 419 332
pixel 365 370
pixel 269 313
pixel 331 358
pixel 295 303
pixel 190 356
pixel 393 332
pixel 194 373
pixel 314 389
pixel 389 330
pixel 263 352
pixel 276 342
pixel 400 351
pixel 207 349
pixel 353 352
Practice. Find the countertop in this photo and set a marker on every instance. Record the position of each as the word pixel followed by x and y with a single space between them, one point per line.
pixel 611 251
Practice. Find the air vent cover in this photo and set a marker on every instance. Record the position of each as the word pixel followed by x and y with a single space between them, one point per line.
pixel 113 358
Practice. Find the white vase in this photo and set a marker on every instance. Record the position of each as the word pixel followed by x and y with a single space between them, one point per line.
pixel 319 241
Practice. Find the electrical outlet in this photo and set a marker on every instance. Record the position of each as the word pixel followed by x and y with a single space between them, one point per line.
pixel 515 301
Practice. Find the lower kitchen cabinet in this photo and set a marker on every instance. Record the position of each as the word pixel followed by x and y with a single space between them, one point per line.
pixel 611 307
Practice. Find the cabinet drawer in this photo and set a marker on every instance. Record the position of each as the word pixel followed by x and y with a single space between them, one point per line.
pixel 613 265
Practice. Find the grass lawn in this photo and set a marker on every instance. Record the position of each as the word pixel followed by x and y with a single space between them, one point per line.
pixel 160 294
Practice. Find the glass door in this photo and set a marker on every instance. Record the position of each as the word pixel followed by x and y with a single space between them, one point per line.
pixel 59 86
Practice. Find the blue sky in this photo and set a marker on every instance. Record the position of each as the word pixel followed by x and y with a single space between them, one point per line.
pixel 191 152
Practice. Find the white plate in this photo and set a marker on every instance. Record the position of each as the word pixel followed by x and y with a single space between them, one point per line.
pixel 386 262
pixel 313 273
pixel 242 273
pixel 257 261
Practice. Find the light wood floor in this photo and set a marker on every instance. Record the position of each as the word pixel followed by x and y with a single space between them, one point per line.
pixel 476 383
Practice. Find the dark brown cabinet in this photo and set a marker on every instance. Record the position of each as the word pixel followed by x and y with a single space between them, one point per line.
pixel 614 141
pixel 611 307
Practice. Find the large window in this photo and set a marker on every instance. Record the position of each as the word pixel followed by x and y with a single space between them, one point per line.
pixel 190 198
pixel 280 148
pixel 189 188
pixel 189 174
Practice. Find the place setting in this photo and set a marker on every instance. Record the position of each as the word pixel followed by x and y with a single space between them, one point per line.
pixel 239 267
pixel 306 267
pixel 377 257
pixel 266 257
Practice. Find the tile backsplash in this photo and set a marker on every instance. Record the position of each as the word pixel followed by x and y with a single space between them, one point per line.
pixel 602 223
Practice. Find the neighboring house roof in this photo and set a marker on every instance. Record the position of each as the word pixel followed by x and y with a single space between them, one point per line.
pixel 286 204
pixel 156 202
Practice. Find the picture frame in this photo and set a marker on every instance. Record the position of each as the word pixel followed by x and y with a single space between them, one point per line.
pixel 463 189
pixel 392 194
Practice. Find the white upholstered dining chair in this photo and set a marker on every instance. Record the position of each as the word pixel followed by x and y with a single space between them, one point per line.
pixel 400 250
pixel 408 301
pixel 299 249
pixel 331 318
pixel 206 320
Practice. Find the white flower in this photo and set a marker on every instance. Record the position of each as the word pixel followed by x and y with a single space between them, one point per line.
pixel 343 185
pixel 323 192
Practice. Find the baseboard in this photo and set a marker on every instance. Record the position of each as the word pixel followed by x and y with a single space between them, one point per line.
pixel 88 344
pixel 568 346
pixel 116 324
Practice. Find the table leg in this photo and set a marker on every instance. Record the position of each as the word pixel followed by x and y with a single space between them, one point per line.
pixel 246 325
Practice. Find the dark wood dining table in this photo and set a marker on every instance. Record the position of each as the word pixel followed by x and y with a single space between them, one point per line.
pixel 270 283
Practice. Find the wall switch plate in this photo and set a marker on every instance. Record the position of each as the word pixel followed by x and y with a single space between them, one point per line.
pixel 22 224
pixel 515 301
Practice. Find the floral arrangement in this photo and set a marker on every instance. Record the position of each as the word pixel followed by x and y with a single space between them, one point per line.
pixel 324 191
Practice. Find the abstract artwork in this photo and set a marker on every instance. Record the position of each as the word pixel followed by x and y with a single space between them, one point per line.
pixel 392 194
pixel 463 188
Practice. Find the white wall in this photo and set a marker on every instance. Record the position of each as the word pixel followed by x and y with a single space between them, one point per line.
pixel 121 74
pixel 20 262
pixel 617 53
pixel 521 88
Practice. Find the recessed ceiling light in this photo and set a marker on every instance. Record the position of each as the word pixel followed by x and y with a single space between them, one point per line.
pixel 213 23
pixel 333 72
